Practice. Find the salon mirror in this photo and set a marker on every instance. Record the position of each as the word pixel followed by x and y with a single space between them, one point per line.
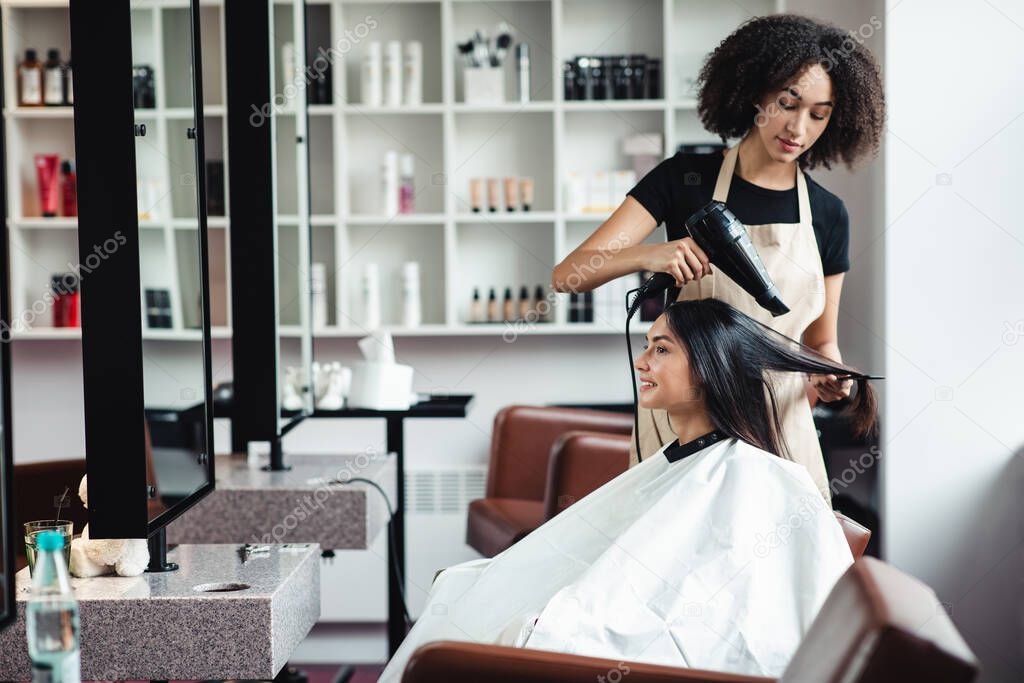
pixel 172 252
pixel 292 218
pixel 7 533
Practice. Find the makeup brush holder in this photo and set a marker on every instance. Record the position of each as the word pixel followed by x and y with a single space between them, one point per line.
pixel 484 85
pixel 380 386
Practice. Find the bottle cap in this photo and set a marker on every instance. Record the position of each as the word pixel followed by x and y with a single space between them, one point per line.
pixel 66 167
pixel 407 168
pixel 523 51
pixel 30 55
pixel 53 54
pixel 50 540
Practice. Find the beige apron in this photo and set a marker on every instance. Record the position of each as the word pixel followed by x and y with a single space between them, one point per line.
pixel 790 254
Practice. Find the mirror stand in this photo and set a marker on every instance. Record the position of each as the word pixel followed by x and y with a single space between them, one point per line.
pixel 277 447
pixel 158 553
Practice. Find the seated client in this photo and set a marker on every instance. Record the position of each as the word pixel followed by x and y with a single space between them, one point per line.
pixel 714 553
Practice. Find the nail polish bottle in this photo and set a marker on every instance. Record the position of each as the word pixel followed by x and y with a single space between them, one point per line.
pixel 476 312
pixel 524 303
pixel 492 307
pixel 508 306
pixel 540 306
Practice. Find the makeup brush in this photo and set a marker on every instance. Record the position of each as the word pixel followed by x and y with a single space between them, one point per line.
pixel 503 42
pixel 466 50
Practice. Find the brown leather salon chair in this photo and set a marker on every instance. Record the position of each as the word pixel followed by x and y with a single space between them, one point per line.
pixel 517 476
pixel 878 625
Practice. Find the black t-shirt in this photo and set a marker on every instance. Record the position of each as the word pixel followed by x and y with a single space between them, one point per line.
pixel 682 184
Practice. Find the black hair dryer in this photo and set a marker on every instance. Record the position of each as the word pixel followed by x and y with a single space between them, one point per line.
pixel 722 236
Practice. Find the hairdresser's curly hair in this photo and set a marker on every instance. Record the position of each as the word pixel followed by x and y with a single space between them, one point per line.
pixel 765 53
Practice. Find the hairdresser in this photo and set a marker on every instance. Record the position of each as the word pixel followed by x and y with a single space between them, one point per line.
pixel 798 94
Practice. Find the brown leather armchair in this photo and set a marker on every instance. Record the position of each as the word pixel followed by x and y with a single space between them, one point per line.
pixel 878 625
pixel 517 476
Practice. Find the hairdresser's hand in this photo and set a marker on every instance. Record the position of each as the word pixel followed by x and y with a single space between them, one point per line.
pixel 682 259
pixel 830 388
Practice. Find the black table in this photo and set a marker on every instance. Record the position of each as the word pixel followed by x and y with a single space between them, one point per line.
pixel 437 406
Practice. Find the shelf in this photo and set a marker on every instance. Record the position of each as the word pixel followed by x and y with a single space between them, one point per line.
pixel 592 217
pixel 613 105
pixel 75 333
pixel 397 219
pixel 41 112
pixel 484 330
pixel 507 217
pixel 426 108
pixel 507 107
pixel 40 223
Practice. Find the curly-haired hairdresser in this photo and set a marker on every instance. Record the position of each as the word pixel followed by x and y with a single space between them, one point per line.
pixel 792 94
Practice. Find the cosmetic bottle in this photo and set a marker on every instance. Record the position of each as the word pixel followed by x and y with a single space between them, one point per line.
pixel 412 304
pixel 588 307
pixel 542 310
pixel 406 186
pixel 69 84
pixel 47 166
pixel 288 70
pixel 508 308
pixel 53 79
pixel 569 81
pixel 371 296
pixel 68 189
pixel 371 90
pixel 583 83
pixel 493 198
pixel 621 76
pixel 526 192
pixel 574 307
pixel 652 79
pixel 318 291
pixel 524 303
pixel 476 194
pixel 476 307
pixel 393 74
pixel 492 307
pixel 523 69
pixel 511 193
pixel 64 287
pixel 30 81
pixel 389 184
pixel 598 79
pixel 638 64
pixel 413 76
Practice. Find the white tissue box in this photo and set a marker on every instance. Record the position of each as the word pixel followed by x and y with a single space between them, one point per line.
pixel 380 386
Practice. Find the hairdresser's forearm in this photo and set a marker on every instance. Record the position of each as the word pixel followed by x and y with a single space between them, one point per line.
pixel 830 350
pixel 587 269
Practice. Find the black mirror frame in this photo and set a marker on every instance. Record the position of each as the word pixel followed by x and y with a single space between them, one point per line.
pixel 101 39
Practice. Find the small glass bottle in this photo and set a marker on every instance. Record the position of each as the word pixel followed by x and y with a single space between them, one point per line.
pixel 476 308
pixel 508 306
pixel 30 81
pixel 53 79
pixel 492 307
pixel 524 303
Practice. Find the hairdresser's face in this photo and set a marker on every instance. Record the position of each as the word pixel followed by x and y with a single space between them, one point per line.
pixel 666 381
pixel 791 120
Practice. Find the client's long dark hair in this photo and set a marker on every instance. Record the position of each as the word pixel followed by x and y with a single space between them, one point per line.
pixel 730 353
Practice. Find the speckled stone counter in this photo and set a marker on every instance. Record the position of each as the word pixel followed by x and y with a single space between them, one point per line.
pixel 300 505
pixel 183 624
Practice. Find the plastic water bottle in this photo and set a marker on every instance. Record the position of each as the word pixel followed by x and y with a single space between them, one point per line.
pixel 52 615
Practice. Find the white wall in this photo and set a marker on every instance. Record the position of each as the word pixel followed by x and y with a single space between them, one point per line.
pixel 953 471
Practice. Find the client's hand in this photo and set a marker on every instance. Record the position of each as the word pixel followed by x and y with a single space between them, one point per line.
pixel 830 388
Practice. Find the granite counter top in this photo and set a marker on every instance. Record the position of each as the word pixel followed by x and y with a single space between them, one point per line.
pixel 217 617
pixel 308 503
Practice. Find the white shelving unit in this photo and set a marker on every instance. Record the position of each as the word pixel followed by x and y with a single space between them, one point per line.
pixel 450 140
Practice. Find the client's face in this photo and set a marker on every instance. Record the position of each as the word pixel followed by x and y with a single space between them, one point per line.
pixel 666 381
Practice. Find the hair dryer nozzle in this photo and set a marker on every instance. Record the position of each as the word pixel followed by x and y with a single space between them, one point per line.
pixel 772 302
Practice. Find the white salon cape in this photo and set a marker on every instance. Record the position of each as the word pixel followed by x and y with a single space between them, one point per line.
pixel 719 560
